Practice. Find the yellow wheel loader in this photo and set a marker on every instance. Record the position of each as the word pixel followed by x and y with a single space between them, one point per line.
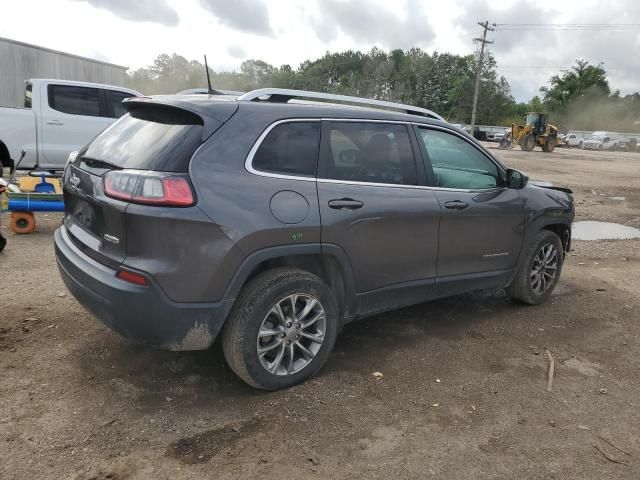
pixel 536 131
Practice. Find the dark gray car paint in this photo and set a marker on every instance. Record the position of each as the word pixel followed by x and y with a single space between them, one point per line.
pixel 387 252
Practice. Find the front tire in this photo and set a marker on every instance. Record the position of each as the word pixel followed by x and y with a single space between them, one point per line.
pixel 539 272
pixel 528 143
pixel 282 329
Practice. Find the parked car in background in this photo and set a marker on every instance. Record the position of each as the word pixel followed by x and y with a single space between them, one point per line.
pixel 601 141
pixel 59 116
pixel 628 143
pixel 193 217
pixel 500 135
pixel 573 139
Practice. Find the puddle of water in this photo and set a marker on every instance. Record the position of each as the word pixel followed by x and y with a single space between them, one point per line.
pixel 589 230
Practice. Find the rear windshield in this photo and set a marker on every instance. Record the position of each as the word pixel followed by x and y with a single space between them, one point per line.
pixel 149 138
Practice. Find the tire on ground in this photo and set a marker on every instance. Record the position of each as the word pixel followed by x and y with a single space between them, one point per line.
pixel 528 143
pixel 520 288
pixel 22 222
pixel 257 298
pixel 549 145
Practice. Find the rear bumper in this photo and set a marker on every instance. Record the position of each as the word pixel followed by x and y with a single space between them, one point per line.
pixel 142 314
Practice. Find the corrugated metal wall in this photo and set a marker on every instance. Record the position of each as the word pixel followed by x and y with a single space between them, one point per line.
pixel 20 61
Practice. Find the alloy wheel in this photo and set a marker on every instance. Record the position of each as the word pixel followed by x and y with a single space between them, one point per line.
pixel 544 269
pixel 291 334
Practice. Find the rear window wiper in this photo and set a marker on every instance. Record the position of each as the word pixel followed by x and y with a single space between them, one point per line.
pixel 94 163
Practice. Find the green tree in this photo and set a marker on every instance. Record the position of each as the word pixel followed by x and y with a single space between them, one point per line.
pixel 580 80
pixel 442 82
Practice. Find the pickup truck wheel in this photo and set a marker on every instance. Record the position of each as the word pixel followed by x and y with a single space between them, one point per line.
pixel 281 329
pixel 540 270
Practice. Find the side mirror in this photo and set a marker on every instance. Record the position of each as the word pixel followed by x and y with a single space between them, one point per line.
pixel 516 179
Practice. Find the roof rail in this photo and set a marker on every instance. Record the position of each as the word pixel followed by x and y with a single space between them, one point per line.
pixel 283 95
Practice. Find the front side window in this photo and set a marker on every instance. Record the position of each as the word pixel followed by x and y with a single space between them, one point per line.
pixel 456 163
pixel 290 148
pixel 371 152
pixel 75 100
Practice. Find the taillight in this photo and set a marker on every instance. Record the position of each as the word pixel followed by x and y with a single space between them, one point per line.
pixel 149 188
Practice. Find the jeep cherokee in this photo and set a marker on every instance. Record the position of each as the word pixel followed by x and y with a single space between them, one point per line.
pixel 273 222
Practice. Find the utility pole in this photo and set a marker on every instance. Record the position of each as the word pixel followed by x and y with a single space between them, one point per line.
pixel 483 41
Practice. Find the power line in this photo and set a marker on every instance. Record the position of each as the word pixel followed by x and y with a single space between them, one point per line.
pixel 561 67
pixel 565 26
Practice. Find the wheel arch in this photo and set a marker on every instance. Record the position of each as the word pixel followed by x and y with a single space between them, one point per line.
pixel 329 262
pixel 563 231
pixel 5 157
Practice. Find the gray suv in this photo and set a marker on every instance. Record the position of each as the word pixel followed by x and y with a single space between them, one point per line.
pixel 274 218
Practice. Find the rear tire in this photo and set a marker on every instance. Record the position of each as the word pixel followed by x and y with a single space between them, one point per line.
pixel 539 272
pixel 276 301
pixel 581 145
pixel 549 145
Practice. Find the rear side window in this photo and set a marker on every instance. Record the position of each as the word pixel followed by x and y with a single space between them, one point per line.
pixel 115 108
pixel 289 148
pixel 28 95
pixel 371 152
pixel 149 138
pixel 75 100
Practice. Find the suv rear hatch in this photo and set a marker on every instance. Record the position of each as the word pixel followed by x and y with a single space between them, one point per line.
pixel 138 156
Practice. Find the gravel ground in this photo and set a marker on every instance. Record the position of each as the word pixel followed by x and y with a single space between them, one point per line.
pixel 463 392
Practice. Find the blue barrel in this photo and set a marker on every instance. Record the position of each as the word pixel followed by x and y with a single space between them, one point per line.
pixel 28 205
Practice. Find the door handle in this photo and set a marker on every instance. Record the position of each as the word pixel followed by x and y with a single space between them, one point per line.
pixel 456 205
pixel 345 204
pixel 54 122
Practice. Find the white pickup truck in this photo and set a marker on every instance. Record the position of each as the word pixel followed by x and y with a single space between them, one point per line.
pixel 59 116
pixel 575 139
pixel 602 141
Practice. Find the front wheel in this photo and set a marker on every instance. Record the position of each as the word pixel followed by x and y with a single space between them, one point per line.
pixel 282 329
pixel 528 143
pixel 539 271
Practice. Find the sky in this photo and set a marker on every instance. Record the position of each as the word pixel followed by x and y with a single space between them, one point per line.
pixel 134 32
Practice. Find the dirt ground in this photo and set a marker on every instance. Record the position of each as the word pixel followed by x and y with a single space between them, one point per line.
pixel 463 394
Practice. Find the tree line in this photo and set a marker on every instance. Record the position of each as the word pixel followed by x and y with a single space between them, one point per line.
pixel 579 98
